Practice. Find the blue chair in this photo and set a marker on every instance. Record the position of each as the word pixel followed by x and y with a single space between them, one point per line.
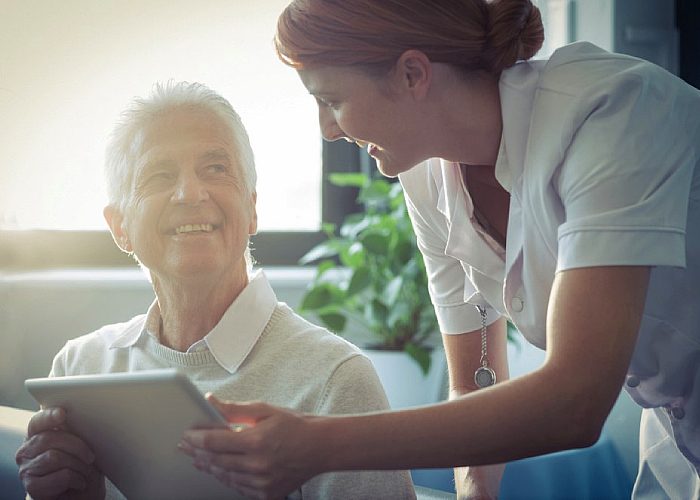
pixel 13 428
pixel 594 473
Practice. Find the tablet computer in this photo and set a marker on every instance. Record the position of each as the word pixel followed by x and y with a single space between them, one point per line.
pixel 133 423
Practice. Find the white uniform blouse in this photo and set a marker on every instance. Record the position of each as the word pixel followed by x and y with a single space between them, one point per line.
pixel 600 154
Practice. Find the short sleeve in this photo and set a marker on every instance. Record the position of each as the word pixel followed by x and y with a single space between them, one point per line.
pixel 354 387
pixel 452 292
pixel 625 178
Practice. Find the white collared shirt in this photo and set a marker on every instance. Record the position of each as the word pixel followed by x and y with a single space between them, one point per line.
pixel 247 315
pixel 600 154
pixel 259 351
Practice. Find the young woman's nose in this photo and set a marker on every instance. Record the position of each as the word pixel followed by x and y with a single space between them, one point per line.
pixel 190 189
pixel 330 130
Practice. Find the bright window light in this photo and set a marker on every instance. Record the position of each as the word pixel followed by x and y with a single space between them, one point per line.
pixel 68 68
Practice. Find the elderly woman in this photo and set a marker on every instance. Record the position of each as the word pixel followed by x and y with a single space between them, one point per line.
pixel 182 201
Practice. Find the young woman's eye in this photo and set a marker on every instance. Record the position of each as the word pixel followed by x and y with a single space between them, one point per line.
pixel 327 104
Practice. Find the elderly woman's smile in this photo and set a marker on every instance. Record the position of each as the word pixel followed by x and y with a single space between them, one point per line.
pixel 190 212
pixel 182 202
pixel 194 228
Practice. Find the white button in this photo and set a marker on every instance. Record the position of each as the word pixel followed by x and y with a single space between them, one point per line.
pixel 677 412
pixel 516 304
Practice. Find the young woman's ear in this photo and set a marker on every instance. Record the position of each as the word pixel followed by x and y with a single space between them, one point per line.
pixel 115 221
pixel 414 72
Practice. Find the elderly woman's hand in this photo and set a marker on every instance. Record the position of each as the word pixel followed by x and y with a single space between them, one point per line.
pixel 54 463
pixel 270 456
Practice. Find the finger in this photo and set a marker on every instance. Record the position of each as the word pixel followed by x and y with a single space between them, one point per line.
pixel 185 448
pixel 243 413
pixel 54 484
pixel 246 484
pixel 56 440
pixel 235 479
pixel 243 464
pixel 246 491
pixel 52 461
pixel 218 440
pixel 46 419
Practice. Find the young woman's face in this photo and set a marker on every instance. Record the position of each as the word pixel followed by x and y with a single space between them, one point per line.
pixel 359 108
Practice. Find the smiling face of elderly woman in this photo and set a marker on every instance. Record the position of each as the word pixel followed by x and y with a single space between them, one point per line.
pixel 190 212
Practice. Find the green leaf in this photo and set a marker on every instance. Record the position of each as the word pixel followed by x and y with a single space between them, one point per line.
pixel 328 228
pixel 324 266
pixel 321 251
pixel 359 281
pixel 376 243
pixel 354 226
pixel 421 355
pixel 377 192
pixel 392 290
pixel 376 313
pixel 513 335
pixel 353 256
pixel 317 297
pixel 412 270
pixel 427 324
pixel 396 191
pixel 403 251
pixel 335 322
pixel 400 314
pixel 351 179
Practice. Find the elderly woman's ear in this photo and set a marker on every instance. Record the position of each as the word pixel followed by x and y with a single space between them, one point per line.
pixel 253 227
pixel 115 221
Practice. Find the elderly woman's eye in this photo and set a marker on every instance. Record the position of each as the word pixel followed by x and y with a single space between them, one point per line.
pixel 160 176
pixel 217 169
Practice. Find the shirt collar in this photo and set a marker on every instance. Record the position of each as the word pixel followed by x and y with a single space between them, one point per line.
pixel 148 325
pixel 517 88
pixel 233 337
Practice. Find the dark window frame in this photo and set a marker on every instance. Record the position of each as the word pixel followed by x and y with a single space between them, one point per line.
pixel 52 249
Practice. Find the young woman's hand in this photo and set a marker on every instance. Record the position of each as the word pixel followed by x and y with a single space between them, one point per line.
pixel 267 453
pixel 55 463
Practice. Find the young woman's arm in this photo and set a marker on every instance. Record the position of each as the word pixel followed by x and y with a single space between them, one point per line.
pixel 594 316
pixel 463 358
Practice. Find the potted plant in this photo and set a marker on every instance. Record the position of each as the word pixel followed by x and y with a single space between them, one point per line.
pixel 381 285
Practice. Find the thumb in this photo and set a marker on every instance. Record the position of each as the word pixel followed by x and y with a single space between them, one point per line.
pixel 241 413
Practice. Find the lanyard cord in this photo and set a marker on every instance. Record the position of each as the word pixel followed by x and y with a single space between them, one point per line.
pixel 484 376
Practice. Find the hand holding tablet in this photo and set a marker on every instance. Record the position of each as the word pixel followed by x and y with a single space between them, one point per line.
pixel 133 422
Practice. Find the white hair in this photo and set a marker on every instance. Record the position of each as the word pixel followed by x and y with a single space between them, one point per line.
pixel 124 145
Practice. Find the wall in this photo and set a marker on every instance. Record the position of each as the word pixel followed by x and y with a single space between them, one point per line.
pixel 641 28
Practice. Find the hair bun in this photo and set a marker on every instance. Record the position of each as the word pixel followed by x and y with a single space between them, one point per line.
pixel 515 32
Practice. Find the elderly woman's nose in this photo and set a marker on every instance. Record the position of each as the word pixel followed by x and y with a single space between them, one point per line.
pixel 189 189
pixel 330 130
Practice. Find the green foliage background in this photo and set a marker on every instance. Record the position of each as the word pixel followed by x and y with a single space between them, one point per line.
pixel 385 288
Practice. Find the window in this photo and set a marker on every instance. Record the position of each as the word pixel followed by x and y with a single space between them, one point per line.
pixel 67 69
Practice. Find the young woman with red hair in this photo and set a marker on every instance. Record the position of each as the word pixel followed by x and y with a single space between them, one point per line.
pixel 563 195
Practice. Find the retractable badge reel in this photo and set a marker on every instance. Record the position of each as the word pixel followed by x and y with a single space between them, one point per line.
pixel 484 376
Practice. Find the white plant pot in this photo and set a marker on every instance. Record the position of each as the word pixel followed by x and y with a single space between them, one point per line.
pixel 403 380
